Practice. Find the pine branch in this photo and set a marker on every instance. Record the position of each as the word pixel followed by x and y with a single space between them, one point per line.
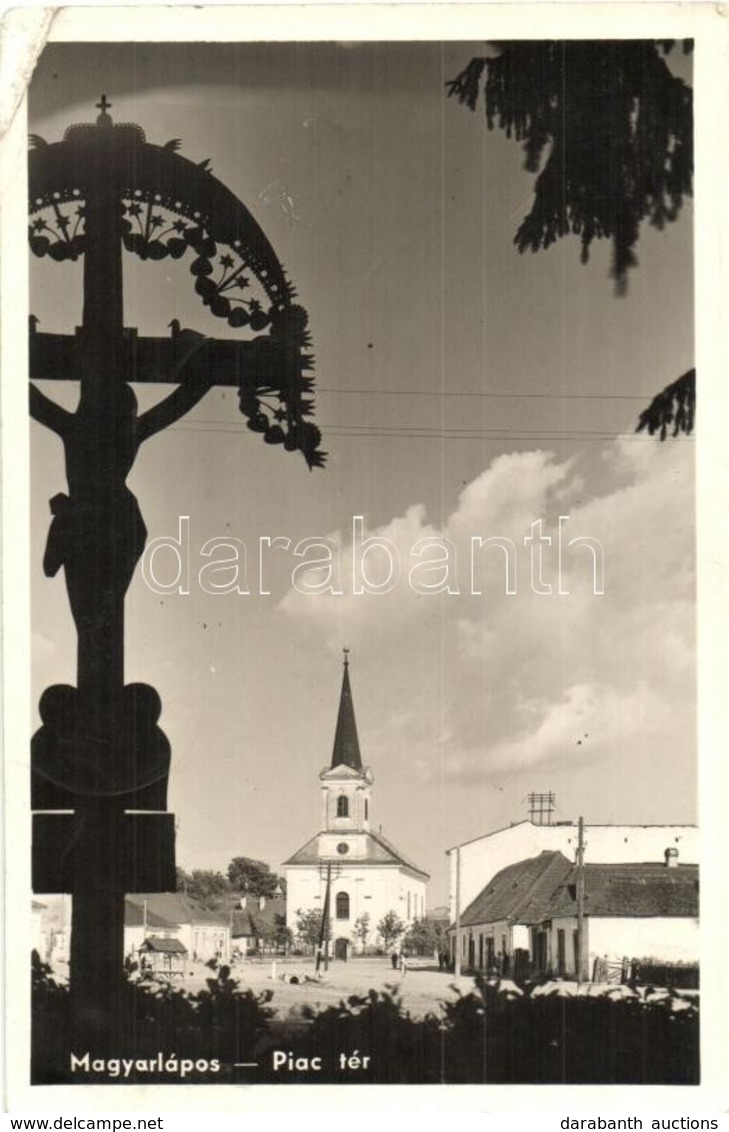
pixel 675 406
pixel 605 125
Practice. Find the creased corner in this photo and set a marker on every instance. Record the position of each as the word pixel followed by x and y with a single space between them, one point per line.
pixel 23 35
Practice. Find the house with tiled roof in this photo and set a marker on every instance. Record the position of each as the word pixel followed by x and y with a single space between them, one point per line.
pixel 367 873
pixel 526 917
pixel 632 911
pixel 472 863
pixel 140 922
pixel 256 920
pixel 205 935
pixel 496 925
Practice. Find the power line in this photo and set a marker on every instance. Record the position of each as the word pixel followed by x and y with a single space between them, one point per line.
pixel 414 432
pixel 500 439
pixel 644 397
pixel 455 430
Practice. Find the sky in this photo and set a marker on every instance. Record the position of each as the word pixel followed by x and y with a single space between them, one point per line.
pixel 463 391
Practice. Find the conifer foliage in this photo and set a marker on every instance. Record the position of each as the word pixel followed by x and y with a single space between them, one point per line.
pixel 607 127
pixel 672 409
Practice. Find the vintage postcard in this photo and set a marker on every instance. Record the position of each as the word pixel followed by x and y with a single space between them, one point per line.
pixel 356 732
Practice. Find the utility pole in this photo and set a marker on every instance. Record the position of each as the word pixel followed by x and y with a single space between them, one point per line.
pixel 457 967
pixel 323 949
pixel 582 972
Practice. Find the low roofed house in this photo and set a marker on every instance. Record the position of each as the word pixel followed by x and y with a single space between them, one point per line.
pixel 647 910
pixel 55 928
pixel 474 862
pixel 140 922
pixel 495 927
pixel 256 921
pixel 205 935
pixel 526 917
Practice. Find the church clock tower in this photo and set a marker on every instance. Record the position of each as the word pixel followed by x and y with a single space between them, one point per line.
pixel 346 783
pixel 370 877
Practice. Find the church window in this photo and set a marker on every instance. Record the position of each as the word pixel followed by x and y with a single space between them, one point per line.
pixel 342 905
pixel 367 810
pixel 342 806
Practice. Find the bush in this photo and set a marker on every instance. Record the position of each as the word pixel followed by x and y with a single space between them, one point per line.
pixel 487 1036
pixel 221 1022
pixel 652 971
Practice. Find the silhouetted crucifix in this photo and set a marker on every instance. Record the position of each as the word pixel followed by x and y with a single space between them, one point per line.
pixel 99 761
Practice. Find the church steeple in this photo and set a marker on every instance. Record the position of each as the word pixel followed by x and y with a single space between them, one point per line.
pixel 346 743
pixel 346 783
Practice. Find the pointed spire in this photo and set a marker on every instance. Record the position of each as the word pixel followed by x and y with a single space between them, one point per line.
pixel 346 743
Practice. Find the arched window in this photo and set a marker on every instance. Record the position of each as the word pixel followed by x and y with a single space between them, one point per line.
pixel 367 810
pixel 342 806
pixel 342 905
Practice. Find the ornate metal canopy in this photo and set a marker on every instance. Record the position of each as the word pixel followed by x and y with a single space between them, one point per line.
pixel 166 206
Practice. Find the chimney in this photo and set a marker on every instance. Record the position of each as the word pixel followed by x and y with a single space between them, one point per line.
pixel 671 858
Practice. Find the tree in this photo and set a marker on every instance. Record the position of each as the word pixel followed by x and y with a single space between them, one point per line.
pixel 672 409
pixel 608 128
pixel 308 926
pixel 362 929
pixel 389 929
pixel 423 937
pixel 209 888
pixel 254 877
pixel 276 934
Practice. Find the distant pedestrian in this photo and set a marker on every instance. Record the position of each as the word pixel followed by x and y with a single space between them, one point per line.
pixel 394 959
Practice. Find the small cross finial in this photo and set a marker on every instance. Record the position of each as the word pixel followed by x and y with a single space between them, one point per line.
pixel 104 118
pixel 346 657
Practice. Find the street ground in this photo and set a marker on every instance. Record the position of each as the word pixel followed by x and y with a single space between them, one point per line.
pixel 421 989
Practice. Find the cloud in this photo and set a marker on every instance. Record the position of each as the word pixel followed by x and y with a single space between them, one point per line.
pixel 473 683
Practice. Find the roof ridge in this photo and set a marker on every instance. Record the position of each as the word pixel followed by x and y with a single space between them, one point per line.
pixel 573 824
pixel 516 904
pixel 389 845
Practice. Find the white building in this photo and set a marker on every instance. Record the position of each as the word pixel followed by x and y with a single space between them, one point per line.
pixel 172 915
pixel 473 863
pixel 38 936
pixel 643 911
pixel 524 920
pixel 368 874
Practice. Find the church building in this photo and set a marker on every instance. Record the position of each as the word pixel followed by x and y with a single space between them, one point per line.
pixel 368 875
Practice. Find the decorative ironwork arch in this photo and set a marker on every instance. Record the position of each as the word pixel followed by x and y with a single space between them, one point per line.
pixel 169 207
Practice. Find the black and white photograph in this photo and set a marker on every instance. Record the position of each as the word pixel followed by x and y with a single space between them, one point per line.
pixel 363 742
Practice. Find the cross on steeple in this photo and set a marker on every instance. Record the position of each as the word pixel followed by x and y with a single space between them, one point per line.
pixel 346 657
pixel 104 106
